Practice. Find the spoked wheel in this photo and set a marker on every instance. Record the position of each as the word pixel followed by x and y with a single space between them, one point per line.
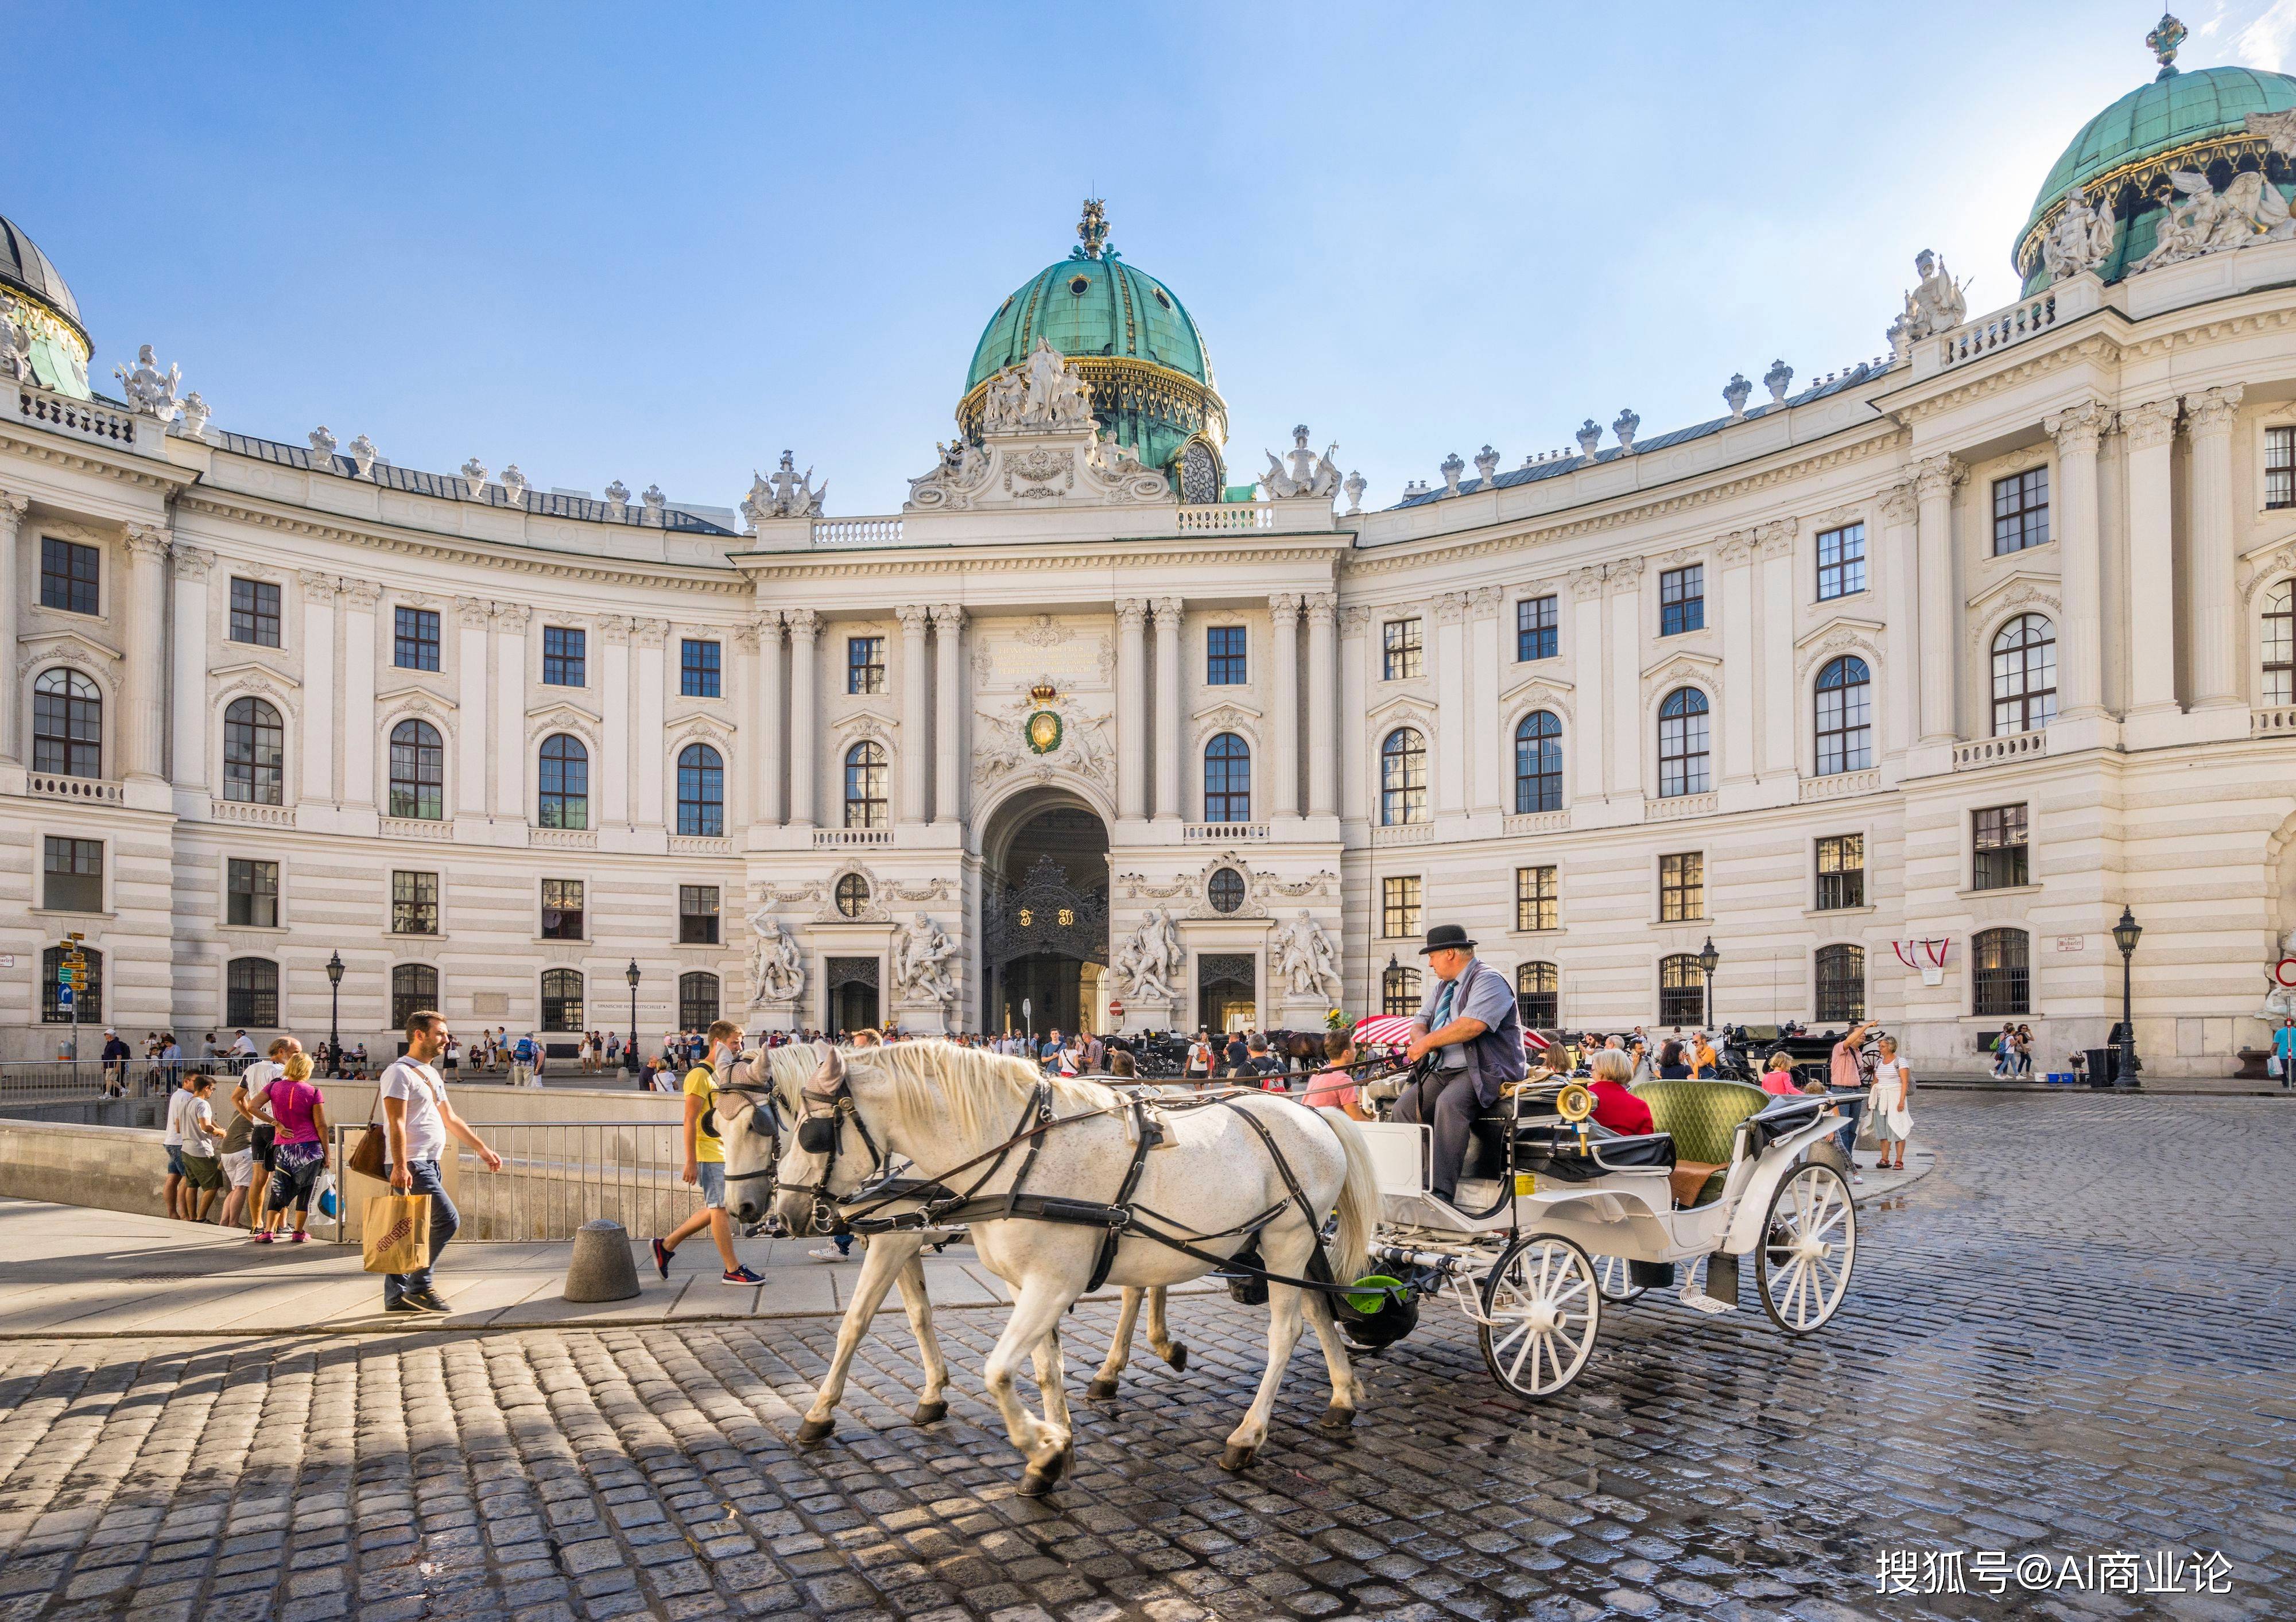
pixel 1543 1306
pixel 1810 1243
pixel 1617 1279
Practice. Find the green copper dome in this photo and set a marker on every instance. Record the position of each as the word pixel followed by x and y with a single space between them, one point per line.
pixel 1090 306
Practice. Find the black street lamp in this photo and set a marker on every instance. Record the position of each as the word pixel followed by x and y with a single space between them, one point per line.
pixel 631 1052
pixel 334 1007
pixel 1393 964
pixel 1708 960
pixel 2125 935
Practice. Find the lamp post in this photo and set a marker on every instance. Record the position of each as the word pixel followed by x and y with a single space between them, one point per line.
pixel 2125 935
pixel 1393 963
pixel 1708 960
pixel 630 1058
pixel 334 1007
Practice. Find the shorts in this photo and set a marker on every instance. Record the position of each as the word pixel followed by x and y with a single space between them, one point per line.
pixel 202 1171
pixel 265 1142
pixel 175 1160
pixel 712 1175
pixel 238 1166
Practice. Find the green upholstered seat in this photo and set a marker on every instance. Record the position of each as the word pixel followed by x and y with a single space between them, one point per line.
pixel 1702 1117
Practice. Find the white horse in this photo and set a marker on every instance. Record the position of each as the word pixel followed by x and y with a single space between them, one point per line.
pixel 946 1111
pixel 752 1139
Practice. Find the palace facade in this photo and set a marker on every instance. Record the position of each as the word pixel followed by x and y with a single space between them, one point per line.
pixel 1943 658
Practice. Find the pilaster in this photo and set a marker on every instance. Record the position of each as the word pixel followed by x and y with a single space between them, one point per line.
pixel 188 729
pixel 1322 681
pixel 1284 722
pixel 320 645
pixel 909 765
pixel 951 705
pixel 1169 613
pixel 804 717
pixel 2215 641
pixel 1132 718
pixel 2149 431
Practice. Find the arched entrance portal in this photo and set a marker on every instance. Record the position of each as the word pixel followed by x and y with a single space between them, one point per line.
pixel 1045 921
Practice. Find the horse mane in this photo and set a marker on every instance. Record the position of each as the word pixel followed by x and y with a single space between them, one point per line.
pixel 938 1084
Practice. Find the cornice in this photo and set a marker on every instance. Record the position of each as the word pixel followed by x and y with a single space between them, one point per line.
pixel 2041 363
pixel 1025 558
pixel 143 474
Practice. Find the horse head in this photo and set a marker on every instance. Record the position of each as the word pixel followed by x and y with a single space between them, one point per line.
pixel 750 1124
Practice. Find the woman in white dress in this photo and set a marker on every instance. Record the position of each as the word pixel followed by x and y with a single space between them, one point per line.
pixel 1893 1090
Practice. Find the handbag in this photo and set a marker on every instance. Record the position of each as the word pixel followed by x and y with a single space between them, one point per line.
pixel 396 1233
pixel 324 1195
pixel 2274 1068
pixel 367 1160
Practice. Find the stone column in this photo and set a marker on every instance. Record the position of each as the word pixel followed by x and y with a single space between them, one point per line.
pixel 360 598
pixel 1631 634
pixel 470 785
pixel 614 700
pixel 144 682
pixel 1455 739
pixel 909 765
pixel 13 508
pixel 950 704
pixel 1893 577
pixel 1934 479
pixel 1355 682
pixel 1284 724
pixel 2150 433
pixel 2215 639
pixel 1781 740
pixel 1742 656
pixel 1131 708
pixel 1490 756
pixel 2081 666
pixel 766 764
pixel 187 764
pixel 1323 728
pixel 805 717
pixel 320 640
pixel 1585 651
pixel 1169 613
pixel 511 621
pixel 652 733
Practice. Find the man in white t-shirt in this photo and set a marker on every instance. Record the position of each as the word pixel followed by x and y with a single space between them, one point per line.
pixel 417 1122
pixel 179 1104
pixel 251 1097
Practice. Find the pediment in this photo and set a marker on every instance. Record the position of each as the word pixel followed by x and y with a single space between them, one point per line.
pixel 2035 585
pixel 1683 665
pixel 68 647
pixel 239 669
pixel 1555 685
pixel 563 716
pixel 429 698
pixel 1418 706
pixel 1870 630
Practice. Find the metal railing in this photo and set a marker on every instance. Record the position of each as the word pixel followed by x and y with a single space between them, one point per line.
pixel 557 1176
pixel 29 1081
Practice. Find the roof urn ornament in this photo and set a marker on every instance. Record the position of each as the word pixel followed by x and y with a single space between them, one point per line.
pixel 2166 35
pixel 322 449
pixel 1589 435
pixel 1736 394
pixel 363 456
pixel 513 484
pixel 474 478
pixel 151 392
pixel 1628 421
pixel 1354 486
pixel 1778 380
pixel 1451 468
pixel 1092 230
pixel 1487 466
pixel 618 501
pixel 657 505
pixel 196 413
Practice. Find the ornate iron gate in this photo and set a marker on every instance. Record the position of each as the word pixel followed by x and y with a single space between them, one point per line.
pixel 1045 913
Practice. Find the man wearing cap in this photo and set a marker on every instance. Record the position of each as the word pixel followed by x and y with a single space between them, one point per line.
pixel 1468 1020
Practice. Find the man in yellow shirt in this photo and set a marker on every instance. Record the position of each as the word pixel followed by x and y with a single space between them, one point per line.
pixel 705 1161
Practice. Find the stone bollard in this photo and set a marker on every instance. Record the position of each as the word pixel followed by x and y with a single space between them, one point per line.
pixel 602 1269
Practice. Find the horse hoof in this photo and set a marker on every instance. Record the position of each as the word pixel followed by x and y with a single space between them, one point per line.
pixel 927 1413
pixel 1178 1358
pixel 1102 1388
pixel 1236 1458
pixel 817 1430
pixel 1037 1480
pixel 1336 1418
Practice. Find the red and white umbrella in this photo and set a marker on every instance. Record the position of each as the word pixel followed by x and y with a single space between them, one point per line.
pixel 1384 1030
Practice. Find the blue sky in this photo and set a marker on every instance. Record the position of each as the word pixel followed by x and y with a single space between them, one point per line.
pixel 662 247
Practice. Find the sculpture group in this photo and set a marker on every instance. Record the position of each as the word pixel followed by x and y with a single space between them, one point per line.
pixel 1307 960
pixel 1308 475
pixel 1044 394
pixel 923 956
pixel 1150 965
pixel 786 495
pixel 777 965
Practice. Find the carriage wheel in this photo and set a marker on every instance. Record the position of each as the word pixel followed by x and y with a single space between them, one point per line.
pixel 1616 1277
pixel 1543 1306
pixel 1810 1243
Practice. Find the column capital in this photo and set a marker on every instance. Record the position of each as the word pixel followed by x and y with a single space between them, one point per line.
pixel 147 540
pixel 2212 412
pixel 1450 607
pixel 1484 600
pixel 1354 619
pixel 1323 607
pixel 803 623
pixel 318 586
pixel 1775 539
pixel 1899 505
pixel 1284 606
pixel 2152 425
pixel 745 637
pixel 511 618
pixel 913 617
pixel 1168 612
pixel 1131 612
pixel 13 507
pixel 651 633
pixel 1623 571
pixel 1585 584
pixel 472 611
pixel 1936 476
pixel 364 594
pixel 948 617
pixel 2077 428
pixel 192 562
pixel 1733 547
pixel 764 629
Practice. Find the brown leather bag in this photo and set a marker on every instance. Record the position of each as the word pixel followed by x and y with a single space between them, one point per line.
pixel 367 1160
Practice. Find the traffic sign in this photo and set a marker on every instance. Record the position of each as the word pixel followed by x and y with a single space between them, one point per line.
pixel 64 996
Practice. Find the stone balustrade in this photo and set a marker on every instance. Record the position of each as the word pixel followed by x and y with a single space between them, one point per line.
pixel 825 839
pixel 1226 518
pixel 83 418
pixel 563 839
pixel 1404 833
pixel 1837 785
pixel 243 811
pixel 1992 751
pixel 94 791
pixel 417 828
pixel 857 532
pixel 2277 721
pixel 1672 807
pixel 1210 833
pixel 1539 822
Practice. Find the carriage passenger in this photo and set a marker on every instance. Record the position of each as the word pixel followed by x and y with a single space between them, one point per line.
pixel 1614 1107
pixel 1334 1087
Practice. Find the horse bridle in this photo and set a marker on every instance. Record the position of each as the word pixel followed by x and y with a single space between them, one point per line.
pixel 819 1132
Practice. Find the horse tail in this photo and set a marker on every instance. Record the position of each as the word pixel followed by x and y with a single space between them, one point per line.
pixel 1358 1204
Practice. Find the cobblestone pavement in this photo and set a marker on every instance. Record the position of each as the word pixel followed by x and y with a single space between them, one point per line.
pixel 2071 1340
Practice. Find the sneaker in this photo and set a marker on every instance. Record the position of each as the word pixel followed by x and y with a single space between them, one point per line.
pixel 739 1276
pixel 428 1300
pixel 1857 1176
pixel 297 1237
pixel 661 1255
pixel 827 1253
pixel 404 1304
pixel 262 1236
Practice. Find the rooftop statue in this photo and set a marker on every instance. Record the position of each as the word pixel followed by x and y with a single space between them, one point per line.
pixel 785 494
pixel 150 391
pixel 2198 219
pixel 15 352
pixel 2081 239
pixel 1308 474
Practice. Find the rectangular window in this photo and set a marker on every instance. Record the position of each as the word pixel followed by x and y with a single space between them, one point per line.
pixel 1537 901
pixel 413 904
pixel 1535 619
pixel 697 669
pixel 1538 996
pixel 697 914
pixel 1399 991
pixel 564 650
pixel 2280 467
pixel 254 612
pixel 1681 888
pixel 561 909
pixel 1841 872
pixel 865 664
pixel 1224 646
pixel 2020 511
pixel 73 881
pixel 1682 600
pixel 1398 916
pixel 415 639
pixel 1401 637
pixel 2000 846
pixel 1840 562
pixel 251 992
pixel 253 893
pixel 68 575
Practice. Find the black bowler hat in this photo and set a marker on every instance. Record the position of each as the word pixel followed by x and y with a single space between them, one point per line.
pixel 1446 938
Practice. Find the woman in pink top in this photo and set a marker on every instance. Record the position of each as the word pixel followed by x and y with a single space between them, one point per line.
pixel 301 1154
pixel 1335 1088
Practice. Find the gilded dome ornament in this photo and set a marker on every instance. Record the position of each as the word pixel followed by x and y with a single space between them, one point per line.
pixel 2166 35
pixel 1092 230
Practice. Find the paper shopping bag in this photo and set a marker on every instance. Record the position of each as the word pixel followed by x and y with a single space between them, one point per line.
pixel 397 1233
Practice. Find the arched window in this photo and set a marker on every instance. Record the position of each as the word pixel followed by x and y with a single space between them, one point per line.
pixel 1538 762
pixel 1682 762
pixel 866 774
pixel 697 1001
pixel 1227 779
pixel 1681 991
pixel 418 771
pixel 1226 891
pixel 1538 996
pixel 1403 777
pixel 2002 979
pixel 701 792
pixel 1845 716
pixel 67 725
pixel 565 783
pixel 88 995
pixel 1841 984
pixel 413 986
pixel 252 992
pixel 2024 675
pixel 254 745
pixel 2279 643
pixel 1399 991
pixel 561 999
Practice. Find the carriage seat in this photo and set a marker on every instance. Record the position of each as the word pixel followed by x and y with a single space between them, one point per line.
pixel 1702 1119
pixel 1548 1144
